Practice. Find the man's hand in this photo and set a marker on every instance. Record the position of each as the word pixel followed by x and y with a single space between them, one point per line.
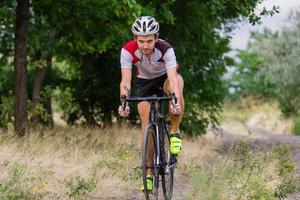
pixel 175 108
pixel 124 110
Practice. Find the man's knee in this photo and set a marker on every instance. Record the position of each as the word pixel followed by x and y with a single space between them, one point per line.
pixel 166 85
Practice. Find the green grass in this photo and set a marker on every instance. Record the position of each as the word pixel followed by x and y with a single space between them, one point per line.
pixel 297 126
pixel 79 187
pixel 17 186
pixel 246 174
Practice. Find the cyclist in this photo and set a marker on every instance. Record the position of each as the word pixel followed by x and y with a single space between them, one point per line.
pixel 157 72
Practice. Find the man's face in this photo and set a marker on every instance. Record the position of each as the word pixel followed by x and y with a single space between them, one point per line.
pixel 146 43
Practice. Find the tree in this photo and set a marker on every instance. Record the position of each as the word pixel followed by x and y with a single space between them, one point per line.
pixel 200 49
pixel 88 35
pixel 83 40
pixel 277 72
pixel 20 70
pixel 244 81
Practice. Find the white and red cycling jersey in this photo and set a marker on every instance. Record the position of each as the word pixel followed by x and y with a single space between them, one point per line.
pixel 162 59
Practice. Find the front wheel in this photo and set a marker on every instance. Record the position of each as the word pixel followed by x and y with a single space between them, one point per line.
pixel 169 165
pixel 149 162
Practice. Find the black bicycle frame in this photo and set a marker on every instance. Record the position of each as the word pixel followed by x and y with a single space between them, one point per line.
pixel 156 117
pixel 156 121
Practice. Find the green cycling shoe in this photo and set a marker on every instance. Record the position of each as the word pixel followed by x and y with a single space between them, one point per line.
pixel 175 143
pixel 149 184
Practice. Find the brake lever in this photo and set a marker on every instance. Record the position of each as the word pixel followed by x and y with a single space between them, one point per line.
pixel 174 100
pixel 123 97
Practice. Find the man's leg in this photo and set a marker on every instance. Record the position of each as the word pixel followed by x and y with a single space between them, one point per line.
pixel 175 119
pixel 175 140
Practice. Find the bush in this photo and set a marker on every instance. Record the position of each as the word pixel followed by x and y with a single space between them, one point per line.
pixel 297 126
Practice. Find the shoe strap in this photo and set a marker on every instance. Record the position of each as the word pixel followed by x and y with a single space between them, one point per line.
pixel 175 135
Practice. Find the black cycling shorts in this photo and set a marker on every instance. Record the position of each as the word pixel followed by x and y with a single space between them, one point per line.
pixel 149 87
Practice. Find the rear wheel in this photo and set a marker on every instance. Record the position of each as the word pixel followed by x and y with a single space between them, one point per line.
pixel 168 173
pixel 149 165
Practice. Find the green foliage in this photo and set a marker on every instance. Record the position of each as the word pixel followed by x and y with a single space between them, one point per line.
pixel 270 67
pixel 240 150
pixel 6 110
pixel 286 167
pixel 37 110
pixel 13 187
pixel 79 188
pixel 7 25
pixel 297 126
pixel 244 80
pixel 85 38
pixel 286 164
pixel 288 185
pixel 200 52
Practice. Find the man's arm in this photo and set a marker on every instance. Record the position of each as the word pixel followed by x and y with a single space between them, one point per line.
pixel 125 85
pixel 173 80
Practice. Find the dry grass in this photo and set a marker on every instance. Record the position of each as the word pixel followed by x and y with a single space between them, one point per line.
pixel 253 113
pixel 58 155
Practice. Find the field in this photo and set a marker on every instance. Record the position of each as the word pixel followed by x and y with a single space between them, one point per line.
pixel 251 155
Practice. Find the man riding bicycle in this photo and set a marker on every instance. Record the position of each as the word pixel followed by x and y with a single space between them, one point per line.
pixel 157 73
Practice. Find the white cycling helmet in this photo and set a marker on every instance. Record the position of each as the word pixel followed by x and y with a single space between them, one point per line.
pixel 145 25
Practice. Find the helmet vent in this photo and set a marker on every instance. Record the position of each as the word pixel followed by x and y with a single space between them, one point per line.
pixel 144 26
pixel 150 23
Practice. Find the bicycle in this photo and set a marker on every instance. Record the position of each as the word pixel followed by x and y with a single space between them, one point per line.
pixel 157 134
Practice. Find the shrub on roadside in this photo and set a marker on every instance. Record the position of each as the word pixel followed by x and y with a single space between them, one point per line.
pixel 297 126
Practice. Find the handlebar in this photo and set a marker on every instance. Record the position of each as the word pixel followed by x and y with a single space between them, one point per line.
pixel 151 98
pixel 125 99
pixel 172 97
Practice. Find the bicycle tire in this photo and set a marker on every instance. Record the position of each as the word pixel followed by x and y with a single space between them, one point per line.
pixel 149 134
pixel 167 177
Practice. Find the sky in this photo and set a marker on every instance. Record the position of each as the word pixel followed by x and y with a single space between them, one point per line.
pixel 241 35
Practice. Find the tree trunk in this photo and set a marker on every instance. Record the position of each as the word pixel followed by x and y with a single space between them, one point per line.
pixel 48 102
pixel 37 87
pixel 88 115
pixel 20 67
